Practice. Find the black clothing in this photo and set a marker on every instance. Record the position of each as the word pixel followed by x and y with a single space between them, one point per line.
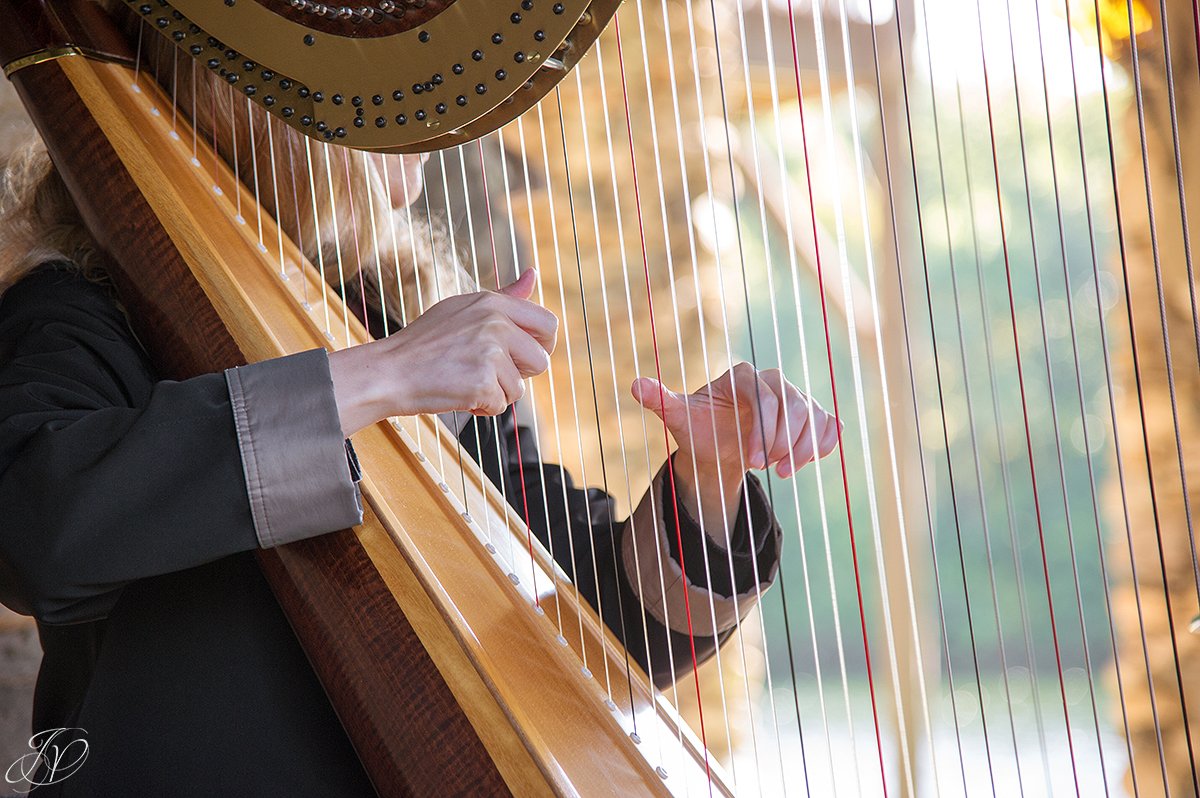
pixel 126 530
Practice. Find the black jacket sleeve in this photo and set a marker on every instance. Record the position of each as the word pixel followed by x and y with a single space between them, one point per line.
pixel 106 475
pixel 575 523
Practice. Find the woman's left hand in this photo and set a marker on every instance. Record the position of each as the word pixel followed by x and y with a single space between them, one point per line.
pixel 744 419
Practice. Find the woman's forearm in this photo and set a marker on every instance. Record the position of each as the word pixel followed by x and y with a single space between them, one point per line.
pixel 709 495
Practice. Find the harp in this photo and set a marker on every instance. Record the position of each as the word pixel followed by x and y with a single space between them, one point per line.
pixel 927 212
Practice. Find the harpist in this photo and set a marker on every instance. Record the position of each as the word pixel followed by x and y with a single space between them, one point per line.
pixel 130 505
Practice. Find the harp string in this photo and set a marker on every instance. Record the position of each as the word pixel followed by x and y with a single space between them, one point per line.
pixel 374 226
pixel 946 437
pixel 457 421
pixel 237 162
pixel 195 128
pixel 254 168
pixel 435 422
pixel 270 124
pixel 587 337
pixel 174 93
pixel 1187 247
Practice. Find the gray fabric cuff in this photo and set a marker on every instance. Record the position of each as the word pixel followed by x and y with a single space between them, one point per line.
pixel 293 454
pixel 663 597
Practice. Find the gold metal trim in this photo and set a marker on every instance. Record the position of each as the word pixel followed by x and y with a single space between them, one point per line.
pixel 60 51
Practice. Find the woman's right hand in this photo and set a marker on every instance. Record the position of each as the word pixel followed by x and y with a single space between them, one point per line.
pixel 469 352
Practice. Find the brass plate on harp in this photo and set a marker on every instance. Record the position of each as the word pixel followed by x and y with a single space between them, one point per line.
pixel 457 75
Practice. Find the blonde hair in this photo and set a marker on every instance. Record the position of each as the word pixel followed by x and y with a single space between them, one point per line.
pixel 403 270
pixel 38 219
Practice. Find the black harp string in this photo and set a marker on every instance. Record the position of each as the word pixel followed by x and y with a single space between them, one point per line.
pixel 487 201
pixel 574 393
pixel 509 536
pixel 1036 269
pixel 537 451
pixel 483 479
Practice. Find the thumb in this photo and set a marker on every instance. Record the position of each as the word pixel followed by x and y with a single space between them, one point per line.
pixel 522 287
pixel 653 395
